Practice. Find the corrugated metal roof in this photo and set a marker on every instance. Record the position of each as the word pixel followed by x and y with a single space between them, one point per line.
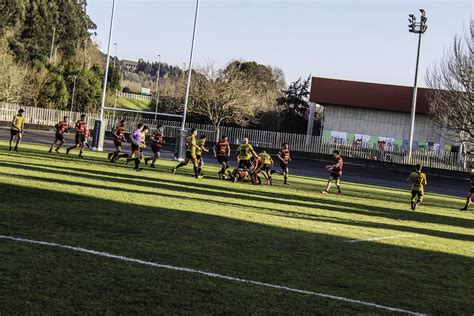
pixel 367 95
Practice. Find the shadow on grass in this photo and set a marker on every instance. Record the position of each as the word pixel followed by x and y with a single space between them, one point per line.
pixel 290 201
pixel 221 197
pixel 415 279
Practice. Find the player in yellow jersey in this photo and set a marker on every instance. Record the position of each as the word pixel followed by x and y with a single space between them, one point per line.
pixel 245 152
pixel 191 147
pixel 265 163
pixel 16 129
pixel 418 180
pixel 201 143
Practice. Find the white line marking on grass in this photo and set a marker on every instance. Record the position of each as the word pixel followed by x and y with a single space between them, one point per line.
pixel 380 238
pixel 208 274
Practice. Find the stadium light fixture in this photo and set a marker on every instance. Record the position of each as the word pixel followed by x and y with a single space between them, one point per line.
pixel 416 28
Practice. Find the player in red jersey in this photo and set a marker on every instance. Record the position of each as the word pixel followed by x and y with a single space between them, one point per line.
pixel 157 140
pixel 81 133
pixel 336 173
pixel 119 138
pixel 222 152
pixel 285 158
pixel 471 192
pixel 61 128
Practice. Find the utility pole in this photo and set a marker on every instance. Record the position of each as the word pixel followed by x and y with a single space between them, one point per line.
pixel 416 28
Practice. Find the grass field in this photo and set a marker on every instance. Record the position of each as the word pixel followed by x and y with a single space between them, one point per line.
pixel 133 104
pixel 290 236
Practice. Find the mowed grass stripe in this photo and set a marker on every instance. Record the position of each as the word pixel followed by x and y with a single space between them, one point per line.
pixel 181 221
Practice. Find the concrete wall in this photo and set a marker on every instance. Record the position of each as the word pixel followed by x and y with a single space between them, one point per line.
pixel 378 123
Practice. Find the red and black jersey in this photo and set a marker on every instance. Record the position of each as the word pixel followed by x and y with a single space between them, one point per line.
pixel 119 133
pixel 81 127
pixel 222 148
pixel 61 127
pixel 157 139
pixel 340 161
pixel 285 155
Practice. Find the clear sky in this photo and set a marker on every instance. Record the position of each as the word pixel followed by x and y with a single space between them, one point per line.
pixel 355 40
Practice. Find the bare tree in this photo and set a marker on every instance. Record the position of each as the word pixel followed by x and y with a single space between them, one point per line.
pixel 451 98
pixel 223 97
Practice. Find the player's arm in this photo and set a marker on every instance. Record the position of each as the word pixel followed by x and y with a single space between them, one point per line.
pixel 214 150
pixel 228 150
pixel 22 125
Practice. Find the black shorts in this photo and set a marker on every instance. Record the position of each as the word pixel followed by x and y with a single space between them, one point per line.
pixel 222 159
pixel 155 149
pixel 59 137
pixel 135 147
pixel 199 157
pixel 245 164
pixel 335 175
pixel 417 193
pixel 264 167
pixel 117 143
pixel 80 138
pixel 472 189
pixel 283 165
pixel 14 132
pixel 190 155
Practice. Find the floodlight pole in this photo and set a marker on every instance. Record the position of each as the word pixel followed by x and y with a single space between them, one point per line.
pixel 73 92
pixel 52 46
pixel 417 28
pixel 115 53
pixel 107 62
pixel 157 85
pixel 188 84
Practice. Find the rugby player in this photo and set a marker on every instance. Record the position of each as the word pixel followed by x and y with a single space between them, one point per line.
pixel 136 139
pixel 157 143
pixel 16 129
pixel 61 128
pixel 471 192
pixel 265 163
pixel 222 152
pixel 191 147
pixel 201 143
pixel 284 156
pixel 245 152
pixel 336 173
pixel 81 133
pixel 119 138
pixel 418 180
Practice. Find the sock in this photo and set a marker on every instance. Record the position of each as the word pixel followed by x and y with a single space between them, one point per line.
pixel 137 163
pixel 196 171
pixel 199 171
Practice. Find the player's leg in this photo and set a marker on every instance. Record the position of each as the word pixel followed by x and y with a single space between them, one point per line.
pixel 468 201
pixel 52 145
pixel 77 142
pixel 18 141
pixel 328 185
pixel 414 194
pixel 286 172
pixel 82 145
pixel 195 162
pixel 12 135
pixel 338 185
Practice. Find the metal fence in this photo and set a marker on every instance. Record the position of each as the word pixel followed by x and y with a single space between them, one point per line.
pixel 259 138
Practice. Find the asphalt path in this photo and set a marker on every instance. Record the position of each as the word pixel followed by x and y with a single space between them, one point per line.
pixel 305 167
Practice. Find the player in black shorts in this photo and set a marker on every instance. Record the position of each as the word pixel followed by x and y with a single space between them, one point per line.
pixel 222 152
pixel 471 192
pixel 61 128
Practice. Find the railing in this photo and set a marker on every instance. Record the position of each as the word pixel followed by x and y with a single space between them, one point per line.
pixel 259 138
pixel 133 96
